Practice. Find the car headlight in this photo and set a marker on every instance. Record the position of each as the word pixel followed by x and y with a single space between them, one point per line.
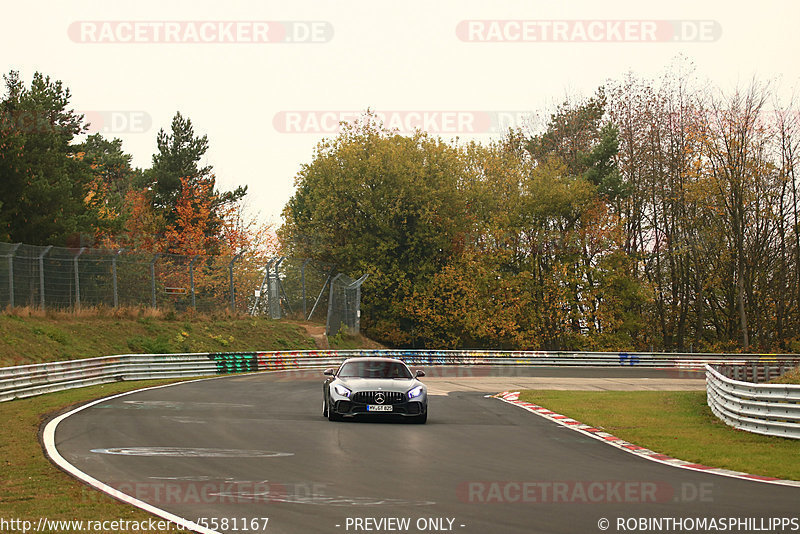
pixel 341 390
pixel 416 392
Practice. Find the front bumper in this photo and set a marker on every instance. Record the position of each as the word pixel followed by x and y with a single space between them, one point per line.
pixel 406 408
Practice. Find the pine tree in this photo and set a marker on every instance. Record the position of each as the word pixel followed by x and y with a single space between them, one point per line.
pixel 44 179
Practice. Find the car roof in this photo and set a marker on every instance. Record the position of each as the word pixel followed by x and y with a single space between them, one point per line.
pixel 373 359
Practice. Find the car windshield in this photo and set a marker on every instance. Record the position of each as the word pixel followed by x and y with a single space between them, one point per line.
pixel 374 369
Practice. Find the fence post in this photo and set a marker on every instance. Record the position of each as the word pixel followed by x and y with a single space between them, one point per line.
pixel 233 289
pixel 11 275
pixel 41 276
pixel 114 277
pixel 357 303
pixel 285 297
pixel 264 280
pixel 303 283
pixel 321 292
pixel 275 302
pixel 77 278
pixel 153 280
pixel 330 306
pixel 191 280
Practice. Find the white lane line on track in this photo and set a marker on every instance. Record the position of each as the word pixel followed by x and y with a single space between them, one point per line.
pixel 641 452
pixel 48 438
pixel 189 452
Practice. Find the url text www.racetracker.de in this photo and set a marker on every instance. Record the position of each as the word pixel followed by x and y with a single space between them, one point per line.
pixel 127 526
pixel 43 524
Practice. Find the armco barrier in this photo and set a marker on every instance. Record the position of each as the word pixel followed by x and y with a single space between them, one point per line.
pixel 30 380
pixel 771 409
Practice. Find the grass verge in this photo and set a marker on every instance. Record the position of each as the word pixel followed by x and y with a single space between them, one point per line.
pixel 676 423
pixel 38 338
pixel 31 487
pixel 790 377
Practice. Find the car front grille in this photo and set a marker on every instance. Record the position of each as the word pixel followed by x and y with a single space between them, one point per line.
pixel 368 397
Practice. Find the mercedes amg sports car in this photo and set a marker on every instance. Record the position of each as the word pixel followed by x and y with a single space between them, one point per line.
pixel 374 387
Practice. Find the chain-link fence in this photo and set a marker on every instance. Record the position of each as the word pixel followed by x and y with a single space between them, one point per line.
pixel 69 278
pixel 344 308
pixel 290 287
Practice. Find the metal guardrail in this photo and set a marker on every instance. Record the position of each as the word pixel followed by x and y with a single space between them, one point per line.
pixel 30 380
pixel 761 371
pixel 771 409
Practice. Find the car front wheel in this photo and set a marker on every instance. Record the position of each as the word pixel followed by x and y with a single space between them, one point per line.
pixel 332 415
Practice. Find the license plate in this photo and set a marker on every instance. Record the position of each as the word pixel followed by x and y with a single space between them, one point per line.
pixel 379 407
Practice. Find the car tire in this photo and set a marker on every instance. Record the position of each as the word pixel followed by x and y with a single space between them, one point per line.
pixel 332 416
pixel 324 408
pixel 421 419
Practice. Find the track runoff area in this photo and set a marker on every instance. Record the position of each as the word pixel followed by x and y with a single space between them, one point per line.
pixel 253 454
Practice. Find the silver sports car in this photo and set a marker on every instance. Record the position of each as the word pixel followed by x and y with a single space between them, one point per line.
pixel 374 386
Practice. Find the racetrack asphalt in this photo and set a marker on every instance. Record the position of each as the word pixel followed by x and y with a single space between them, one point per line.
pixel 257 447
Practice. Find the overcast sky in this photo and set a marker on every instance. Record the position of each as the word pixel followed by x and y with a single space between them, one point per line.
pixel 456 67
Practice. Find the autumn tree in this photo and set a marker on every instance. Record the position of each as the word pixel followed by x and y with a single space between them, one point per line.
pixel 177 183
pixel 509 245
pixel 575 157
pixel 372 201
pixel 44 179
pixel 710 217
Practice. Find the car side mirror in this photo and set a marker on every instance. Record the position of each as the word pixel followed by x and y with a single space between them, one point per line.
pixel 329 372
pixel 419 373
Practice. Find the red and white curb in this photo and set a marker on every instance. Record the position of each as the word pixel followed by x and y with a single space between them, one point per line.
pixel 596 433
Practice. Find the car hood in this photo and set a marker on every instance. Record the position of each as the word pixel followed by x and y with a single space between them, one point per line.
pixel 382 384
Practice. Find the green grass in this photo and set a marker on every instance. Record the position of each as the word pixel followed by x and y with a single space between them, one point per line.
pixel 676 423
pixel 32 487
pixel 37 338
pixel 351 342
pixel 790 377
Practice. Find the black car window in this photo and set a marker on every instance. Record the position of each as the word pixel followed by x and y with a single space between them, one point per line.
pixel 374 369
